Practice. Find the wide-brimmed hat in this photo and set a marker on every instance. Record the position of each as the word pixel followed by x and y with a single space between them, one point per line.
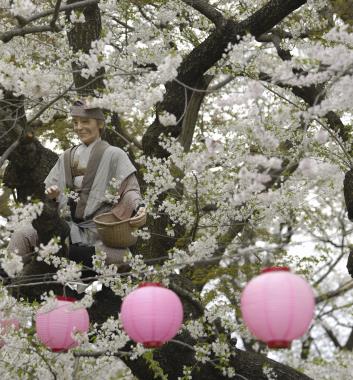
pixel 117 233
pixel 81 108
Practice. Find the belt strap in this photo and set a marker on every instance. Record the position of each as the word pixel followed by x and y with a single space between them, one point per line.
pixel 87 182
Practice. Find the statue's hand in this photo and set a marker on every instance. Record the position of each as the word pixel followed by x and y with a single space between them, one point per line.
pixel 52 192
pixel 140 218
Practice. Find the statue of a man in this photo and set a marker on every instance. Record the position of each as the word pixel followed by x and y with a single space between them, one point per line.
pixel 82 178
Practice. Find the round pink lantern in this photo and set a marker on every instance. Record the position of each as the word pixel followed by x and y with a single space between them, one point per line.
pixel 151 314
pixel 6 325
pixel 277 306
pixel 55 327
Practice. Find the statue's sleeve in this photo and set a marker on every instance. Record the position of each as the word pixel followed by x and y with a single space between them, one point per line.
pixel 56 177
pixel 130 197
pixel 53 176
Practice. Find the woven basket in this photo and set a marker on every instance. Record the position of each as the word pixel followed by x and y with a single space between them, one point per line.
pixel 115 233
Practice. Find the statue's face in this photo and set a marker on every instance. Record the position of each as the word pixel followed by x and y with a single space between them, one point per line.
pixel 87 129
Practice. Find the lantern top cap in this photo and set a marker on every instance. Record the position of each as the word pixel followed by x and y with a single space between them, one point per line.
pixel 275 269
pixel 68 299
pixel 144 284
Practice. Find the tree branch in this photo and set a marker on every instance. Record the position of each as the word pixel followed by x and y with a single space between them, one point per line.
pixel 188 296
pixel 330 268
pixel 342 289
pixel 64 8
pixel 207 10
pixel 97 354
pixel 211 50
pixel 52 27
pixel 42 110
pixel 222 83
pixel 312 94
pixel 8 151
pixel 192 111
pixel 8 36
pixel 331 335
pixel 122 23
pixel 205 56
pixel 127 137
pixel 56 14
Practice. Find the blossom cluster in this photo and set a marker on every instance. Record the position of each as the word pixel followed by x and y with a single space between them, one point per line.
pixel 265 168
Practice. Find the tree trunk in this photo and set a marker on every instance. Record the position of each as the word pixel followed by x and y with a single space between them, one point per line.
pixel 249 365
pixel 31 162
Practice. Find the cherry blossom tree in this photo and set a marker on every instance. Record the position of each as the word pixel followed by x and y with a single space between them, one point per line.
pixel 237 115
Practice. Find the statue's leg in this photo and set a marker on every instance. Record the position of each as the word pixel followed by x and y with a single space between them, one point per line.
pixel 23 242
pixel 83 254
pixel 114 255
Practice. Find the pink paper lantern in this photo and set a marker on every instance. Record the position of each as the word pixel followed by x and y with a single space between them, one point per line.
pixel 151 314
pixel 277 306
pixel 6 325
pixel 54 327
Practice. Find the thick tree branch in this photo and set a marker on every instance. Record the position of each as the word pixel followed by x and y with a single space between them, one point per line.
pixel 188 296
pixel 312 94
pixel 211 50
pixel 249 365
pixel 206 55
pixel 68 7
pixel 207 10
pixel 52 27
pixel 8 36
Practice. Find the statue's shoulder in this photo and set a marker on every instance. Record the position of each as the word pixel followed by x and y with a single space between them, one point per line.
pixel 68 150
pixel 114 151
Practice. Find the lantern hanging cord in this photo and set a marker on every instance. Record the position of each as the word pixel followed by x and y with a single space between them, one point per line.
pixel 50 280
pixel 121 274
pixel 210 260
pixel 49 276
pixel 342 289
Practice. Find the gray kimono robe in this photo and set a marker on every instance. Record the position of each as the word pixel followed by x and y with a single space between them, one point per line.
pixel 114 163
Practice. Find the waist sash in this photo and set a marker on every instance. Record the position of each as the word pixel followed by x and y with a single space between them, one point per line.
pixel 91 170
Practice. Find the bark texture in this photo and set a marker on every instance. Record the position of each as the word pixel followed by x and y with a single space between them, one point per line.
pixel 173 356
pixel 205 56
pixel 31 162
pixel 80 37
